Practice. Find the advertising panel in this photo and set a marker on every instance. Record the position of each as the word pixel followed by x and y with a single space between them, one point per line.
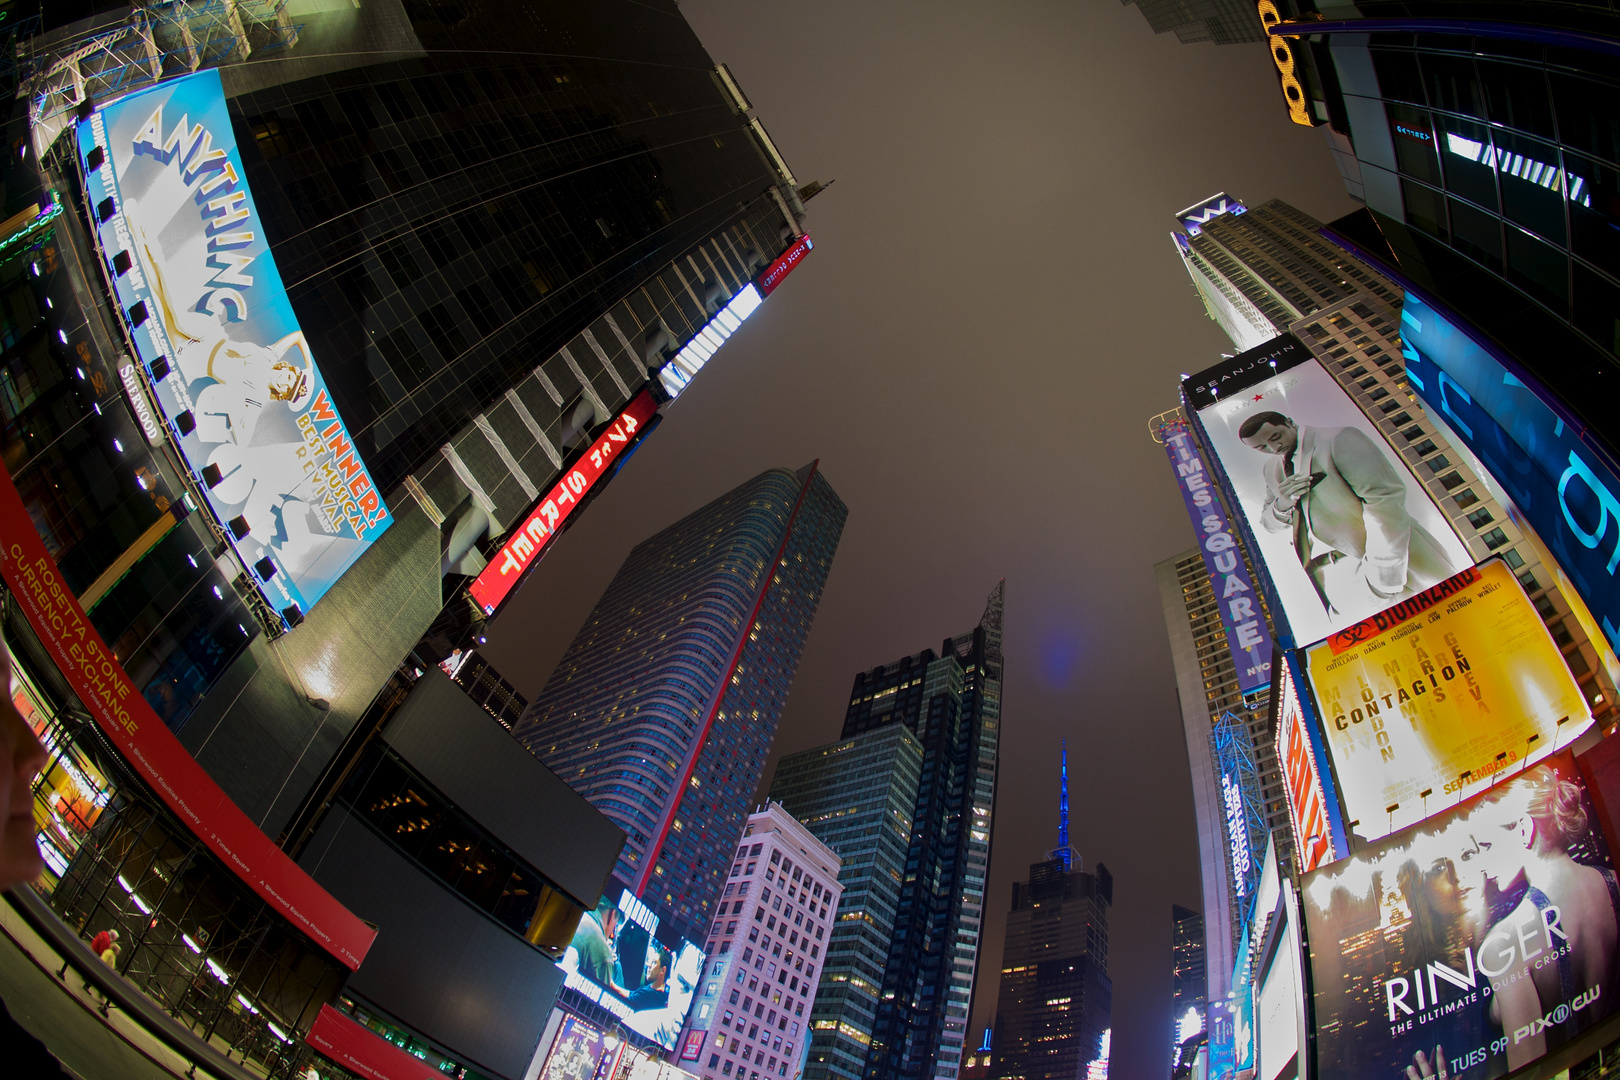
pixel 1243 1003
pixel 1279 1010
pixel 1317 839
pixel 1343 527
pixel 363 1052
pixel 1485 937
pixel 1241 614
pixel 529 540
pixel 1566 492
pixel 577 1053
pixel 1426 702
pixel 127 719
pixel 229 366
pixel 617 961
pixel 783 265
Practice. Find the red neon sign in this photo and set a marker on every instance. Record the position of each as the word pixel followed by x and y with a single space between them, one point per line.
pixel 529 540
pixel 783 266
pixel 1307 804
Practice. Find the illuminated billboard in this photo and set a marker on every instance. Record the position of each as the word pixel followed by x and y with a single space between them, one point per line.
pixel 241 394
pixel 617 961
pixel 1318 833
pixel 677 374
pixel 1426 702
pixel 784 264
pixel 1241 616
pixel 1485 936
pixel 1343 527
pixel 1554 476
pixel 529 540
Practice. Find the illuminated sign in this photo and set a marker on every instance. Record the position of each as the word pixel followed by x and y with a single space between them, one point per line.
pixel 1466 936
pixel 1282 54
pixel 1308 808
pixel 1241 617
pixel 1561 485
pixel 1195 217
pixel 1237 835
pixel 530 540
pixel 1432 698
pixel 616 961
pixel 693 1047
pixel 137 402
pixel 773 274
pixel 1548 176
pixel 1339 522
pixel 676 374
pixel 203 303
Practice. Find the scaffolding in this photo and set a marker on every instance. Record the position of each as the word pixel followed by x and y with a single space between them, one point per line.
pixel 1239 778
pixel 155 41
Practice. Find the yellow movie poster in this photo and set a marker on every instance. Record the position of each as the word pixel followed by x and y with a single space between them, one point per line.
pixel 1429 701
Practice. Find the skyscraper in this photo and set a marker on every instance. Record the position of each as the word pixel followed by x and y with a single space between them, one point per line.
pixel 857 796
pixel 1189 985
pixel 765 948
pixel 1053 1010
pixel 952 702
pixel 664 708
pixel 1224 22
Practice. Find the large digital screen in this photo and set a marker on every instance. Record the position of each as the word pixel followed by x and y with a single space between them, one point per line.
pixel 1427 702
pixel 1279 1008
pixel 617 961
pixel 1485 936
pixel 240 391
pixel 1344 528
pixel 529 541
pixel 1241 614
pixel 1310 807
pixel 1565 489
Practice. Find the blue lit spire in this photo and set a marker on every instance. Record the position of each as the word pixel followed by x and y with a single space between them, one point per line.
pixel 1063 852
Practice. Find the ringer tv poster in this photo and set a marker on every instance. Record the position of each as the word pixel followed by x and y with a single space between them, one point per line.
pixel 225 357
pixel 1483 939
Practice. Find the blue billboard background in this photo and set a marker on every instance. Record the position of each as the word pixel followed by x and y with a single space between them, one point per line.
pixel 222 352
pixel 1565 491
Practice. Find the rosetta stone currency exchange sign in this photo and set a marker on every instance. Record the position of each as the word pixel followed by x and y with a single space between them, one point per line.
pixel 1484 936
pixel 230 368
pixel 1241 616
pixel 1440 693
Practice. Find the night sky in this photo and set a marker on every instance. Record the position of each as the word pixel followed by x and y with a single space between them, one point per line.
pixel 992 312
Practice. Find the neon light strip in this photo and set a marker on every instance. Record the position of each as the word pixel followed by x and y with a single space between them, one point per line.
pixel 1550 177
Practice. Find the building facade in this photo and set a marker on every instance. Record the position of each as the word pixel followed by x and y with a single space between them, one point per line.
pixel 663 710
pixel 753 1014
pixel 1189 987
pixel 951 700
pixel 856 796
pixel 1056 999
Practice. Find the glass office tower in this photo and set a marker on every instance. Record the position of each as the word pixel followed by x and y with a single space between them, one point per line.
pixel 663 710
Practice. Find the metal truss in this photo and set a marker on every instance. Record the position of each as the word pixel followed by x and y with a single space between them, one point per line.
pixel 156 40
pixel 1234 754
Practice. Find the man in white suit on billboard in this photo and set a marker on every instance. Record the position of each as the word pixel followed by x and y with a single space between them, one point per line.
pixel 1345 504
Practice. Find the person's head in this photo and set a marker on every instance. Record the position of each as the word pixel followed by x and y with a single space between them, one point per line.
pixel 608 915
pixel 1553 815
pixel 656 969
pixel 21 758
pixel 287 383
pixel 1269 432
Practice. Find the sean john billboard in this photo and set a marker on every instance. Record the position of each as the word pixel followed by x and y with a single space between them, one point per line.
pixel 1434 696
pixel 1484 937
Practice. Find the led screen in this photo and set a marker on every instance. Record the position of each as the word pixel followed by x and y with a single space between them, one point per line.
pixel 1309 807
pixel 232 372
pixel 1429 700
pixel 1485 936
pixel 1564 488
pixel 1344 528
pixel 617 961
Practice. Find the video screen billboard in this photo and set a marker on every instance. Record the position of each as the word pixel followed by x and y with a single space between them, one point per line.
pixel 1311 808
pixel 1485 936
pixel 617 961
pixel 1247 637
pixel 1279 1007
pixel 1566 490
pixel 1344 528
pixel 236 380
pixel 1426 702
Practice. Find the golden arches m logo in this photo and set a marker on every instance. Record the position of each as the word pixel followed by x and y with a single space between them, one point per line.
pixel 1282 54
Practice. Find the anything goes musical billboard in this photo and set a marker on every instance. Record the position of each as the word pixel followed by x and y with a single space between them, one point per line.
pixel 1484 937
pixel 229 366
pixel 1433 697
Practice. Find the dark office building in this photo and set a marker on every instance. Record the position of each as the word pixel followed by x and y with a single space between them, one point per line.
pixel 951 702
pixel 663 710
pixel 496 228
pixel 1223 22
pixel 1189 984
pixel 1052 1015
